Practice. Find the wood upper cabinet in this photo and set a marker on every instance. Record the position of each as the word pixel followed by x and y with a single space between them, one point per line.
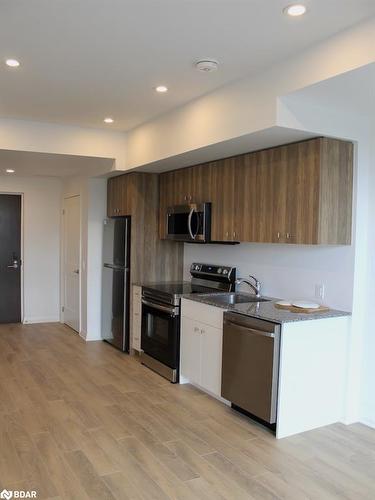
pixel 120 191
pixel 312 191
pixel 298 193
pixel 222 200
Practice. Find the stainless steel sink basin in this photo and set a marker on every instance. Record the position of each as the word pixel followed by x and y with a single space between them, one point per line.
pixel 238 298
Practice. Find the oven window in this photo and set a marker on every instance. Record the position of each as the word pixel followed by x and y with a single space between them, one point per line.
pixel 178 223
pixel 157 328
pixel 161 336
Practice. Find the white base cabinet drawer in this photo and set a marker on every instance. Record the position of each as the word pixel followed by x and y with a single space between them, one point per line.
pixel 209 315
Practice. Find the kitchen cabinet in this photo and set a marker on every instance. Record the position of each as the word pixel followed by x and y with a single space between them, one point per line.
pixel 306 190
pixel 201 346
pixel 136 318
pixel 299 193
pixel 222 196
pixel 119 195
pixel 312 367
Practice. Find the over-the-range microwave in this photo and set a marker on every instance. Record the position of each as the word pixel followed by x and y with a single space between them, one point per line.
pixel 191 223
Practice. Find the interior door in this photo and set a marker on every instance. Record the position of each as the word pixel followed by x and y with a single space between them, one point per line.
pixel 10 258
pixel 72 262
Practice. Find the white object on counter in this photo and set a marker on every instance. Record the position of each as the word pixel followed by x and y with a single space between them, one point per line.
pixel 284 303
pixel 305 305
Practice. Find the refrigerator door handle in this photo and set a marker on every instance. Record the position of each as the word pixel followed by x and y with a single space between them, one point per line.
pixel 114 267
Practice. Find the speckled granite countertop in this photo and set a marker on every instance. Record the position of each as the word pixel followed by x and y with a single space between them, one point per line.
pixel 264 310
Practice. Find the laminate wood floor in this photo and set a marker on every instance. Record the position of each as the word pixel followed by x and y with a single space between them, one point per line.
pixel 84 421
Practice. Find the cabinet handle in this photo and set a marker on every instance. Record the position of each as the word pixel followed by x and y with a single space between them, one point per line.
pixel 288 236
pixel 278 235
pixel 185 197
pixel 202 331
pixel 190 198
pixel 196 330
pixel 234 234
pixel 227 234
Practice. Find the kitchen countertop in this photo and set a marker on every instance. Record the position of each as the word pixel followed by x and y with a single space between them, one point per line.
pixel 264 310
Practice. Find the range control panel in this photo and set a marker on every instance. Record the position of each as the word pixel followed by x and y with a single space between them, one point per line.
pixel 206 270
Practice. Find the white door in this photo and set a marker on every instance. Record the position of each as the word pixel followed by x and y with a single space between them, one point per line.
pixel 72 217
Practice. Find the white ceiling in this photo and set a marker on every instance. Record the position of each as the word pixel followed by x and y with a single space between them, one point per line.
pixel 27 163
pixel 82 60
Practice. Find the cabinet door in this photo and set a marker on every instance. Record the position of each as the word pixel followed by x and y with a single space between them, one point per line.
pixel 211 358
pixel 190 348
pixel 166 199
pixel 264 183
pixel 279 214
pixel 110 198
pixel 302 201
pixel 124 197
pixel 114 196
pixel 245 198
pixel 222 199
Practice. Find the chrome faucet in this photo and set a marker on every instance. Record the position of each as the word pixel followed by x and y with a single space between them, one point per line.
pixel 256 285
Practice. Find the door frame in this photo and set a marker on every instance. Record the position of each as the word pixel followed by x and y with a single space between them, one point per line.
pixel 21 250
pixel 63 238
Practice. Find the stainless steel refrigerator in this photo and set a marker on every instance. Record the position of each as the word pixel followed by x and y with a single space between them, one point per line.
pixel 116 282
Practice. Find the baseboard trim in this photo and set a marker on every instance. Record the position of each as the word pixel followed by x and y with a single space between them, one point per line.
pixel 32 321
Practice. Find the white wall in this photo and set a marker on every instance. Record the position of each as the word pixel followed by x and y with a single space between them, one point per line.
pixel 41 244
pixel 93 195
pixel 20 135
pixel 97 211
pixel 286 271
pixel 368 365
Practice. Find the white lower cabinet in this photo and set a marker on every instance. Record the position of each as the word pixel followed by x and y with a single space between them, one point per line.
pixel 201 346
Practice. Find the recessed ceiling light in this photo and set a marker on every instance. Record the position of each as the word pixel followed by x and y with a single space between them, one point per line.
pixel 207 65
pixel 10 171
pixel 161 88
pixel 295 10
pixel 13 63
pixel 108 120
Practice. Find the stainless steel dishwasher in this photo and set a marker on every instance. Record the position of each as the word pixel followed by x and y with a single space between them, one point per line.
pixel 251 365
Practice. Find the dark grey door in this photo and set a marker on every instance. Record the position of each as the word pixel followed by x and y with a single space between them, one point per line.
pixel 10 258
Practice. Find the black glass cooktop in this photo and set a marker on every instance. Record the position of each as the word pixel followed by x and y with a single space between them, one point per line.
pixel 177 288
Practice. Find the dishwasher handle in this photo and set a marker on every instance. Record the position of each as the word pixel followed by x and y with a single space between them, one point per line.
pixel 247 329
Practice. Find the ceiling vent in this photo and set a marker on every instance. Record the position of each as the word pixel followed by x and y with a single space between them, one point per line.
pixel 207 65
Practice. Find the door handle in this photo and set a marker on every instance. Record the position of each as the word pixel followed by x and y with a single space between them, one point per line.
pixel 76 271
pixel 14 265
pixel 189 224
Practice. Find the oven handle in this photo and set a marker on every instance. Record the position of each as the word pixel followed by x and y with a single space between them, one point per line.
pixel 170 310
pixel 189 224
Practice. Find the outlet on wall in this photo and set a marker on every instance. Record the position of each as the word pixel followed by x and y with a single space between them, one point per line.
pixel 320 291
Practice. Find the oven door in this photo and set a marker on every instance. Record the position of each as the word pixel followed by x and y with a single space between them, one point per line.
pixel 161 332
pixel 190 223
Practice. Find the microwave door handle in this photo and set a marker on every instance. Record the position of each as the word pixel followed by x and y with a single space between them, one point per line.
pixel 189 224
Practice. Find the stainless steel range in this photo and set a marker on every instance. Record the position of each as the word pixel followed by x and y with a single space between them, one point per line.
pixel 161 314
